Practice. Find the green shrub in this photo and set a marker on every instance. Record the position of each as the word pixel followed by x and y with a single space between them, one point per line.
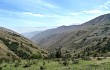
pixel 99 58
pixel 0 68
pixel 36 56
pixel 65 62
pixel 87 58
pixel 42 68
pixel 23 54
pixel 16 64
pixel 4 59
pixel 27 65
pixel 75 61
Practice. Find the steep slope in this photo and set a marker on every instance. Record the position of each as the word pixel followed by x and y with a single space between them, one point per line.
pixel 51 36
pixel 94 34
pixel 14 46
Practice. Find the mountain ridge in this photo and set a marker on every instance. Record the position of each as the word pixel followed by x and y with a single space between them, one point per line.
pixel 85 35
pixel 98 20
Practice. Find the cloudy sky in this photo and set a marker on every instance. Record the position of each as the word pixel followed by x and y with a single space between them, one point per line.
pixel 31 15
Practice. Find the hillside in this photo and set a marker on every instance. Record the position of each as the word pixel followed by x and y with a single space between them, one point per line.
pixel 15 46
pixel 94 35
pixel 51 36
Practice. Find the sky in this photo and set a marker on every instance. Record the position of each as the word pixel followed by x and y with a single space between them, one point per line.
pixel 36 15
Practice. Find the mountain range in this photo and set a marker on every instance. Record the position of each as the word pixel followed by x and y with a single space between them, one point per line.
pixel 94 35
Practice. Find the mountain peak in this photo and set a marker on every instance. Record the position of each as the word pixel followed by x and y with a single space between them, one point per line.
pixel 99 20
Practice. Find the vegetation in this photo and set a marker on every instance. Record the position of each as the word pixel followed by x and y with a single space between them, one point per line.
pixel 93 64
pixel 14 46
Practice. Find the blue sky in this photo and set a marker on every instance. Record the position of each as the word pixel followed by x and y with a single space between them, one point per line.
pixel 35 15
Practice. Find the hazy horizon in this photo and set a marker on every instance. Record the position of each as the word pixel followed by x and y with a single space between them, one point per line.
pixel 36 15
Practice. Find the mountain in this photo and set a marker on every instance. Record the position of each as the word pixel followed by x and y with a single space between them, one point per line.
pixel 92 36
pixel 51 36
pixel 15 46
pixel 29 35
pixel 99 20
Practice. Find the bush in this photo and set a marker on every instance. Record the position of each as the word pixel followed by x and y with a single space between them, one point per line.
pixel 99 58
pixel 4 59
pixel 16 64
pixel 36 56
pixel 0 68
pixel 1 60
pixel 75 61
pixel 65 62
pixel 87 58
pixel 27 65
pixel 23 54
pixel 42 68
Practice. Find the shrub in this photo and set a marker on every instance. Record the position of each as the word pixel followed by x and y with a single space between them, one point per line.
pixel 42 68
pixel 99 58
pixel 65 62
pixel 58 53
pixel 1 60
pixel 87 58
pixel 43 62
pixel 0 68
pixel 23 54
pixel 75 61
pixel 4 59
pixel 27 65
pixel 36 56
pixel 34 62
pixel 16 64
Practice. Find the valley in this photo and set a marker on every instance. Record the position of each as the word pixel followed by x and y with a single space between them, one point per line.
pixel 55 35
pixel 88 38
pixel 75 47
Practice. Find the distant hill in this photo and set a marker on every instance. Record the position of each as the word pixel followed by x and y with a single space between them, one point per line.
pixel 93 35
pixel 29 35
pixel 51 36
pixel 15 46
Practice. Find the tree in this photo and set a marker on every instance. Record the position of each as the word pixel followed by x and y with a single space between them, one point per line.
pixel 95 54
pixel 58 52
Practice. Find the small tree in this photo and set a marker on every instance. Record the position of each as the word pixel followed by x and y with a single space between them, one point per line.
pixel 58 52
pixel 95 54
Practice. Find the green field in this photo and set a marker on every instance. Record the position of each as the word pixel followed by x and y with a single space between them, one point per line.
pixel 94 64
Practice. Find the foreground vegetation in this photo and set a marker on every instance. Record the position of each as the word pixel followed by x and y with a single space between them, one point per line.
pixel 58 64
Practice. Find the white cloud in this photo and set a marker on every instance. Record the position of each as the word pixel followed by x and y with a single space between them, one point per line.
pixel 41 2
pixel 92 11
pixel 75 13
pixel 105 12
pixel 39 15
pixel 98 11
pixel 105 5
pixel 32 14
pixel 50 5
